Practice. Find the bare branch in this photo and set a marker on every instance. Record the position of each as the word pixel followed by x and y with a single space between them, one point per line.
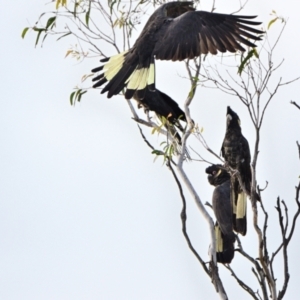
pixel 296 214
pixel 241 283
pixel 260 275
pixel 144 138
pixel 294 103
pixel 285 256
pixel 298 145
pixel 183 220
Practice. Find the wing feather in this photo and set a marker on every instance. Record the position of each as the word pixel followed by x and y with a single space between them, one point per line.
pixel 199 32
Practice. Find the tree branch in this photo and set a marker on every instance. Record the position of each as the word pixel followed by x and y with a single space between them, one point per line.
pixel 183 217
pixel 294 103
pixel 241 283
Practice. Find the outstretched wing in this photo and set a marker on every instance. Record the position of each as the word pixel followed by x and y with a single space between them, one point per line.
pixel 200 32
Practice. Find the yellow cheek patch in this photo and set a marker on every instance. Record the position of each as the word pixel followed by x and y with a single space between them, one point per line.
pixel 219 172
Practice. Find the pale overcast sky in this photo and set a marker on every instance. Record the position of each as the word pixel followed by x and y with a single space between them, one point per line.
pixel 85 213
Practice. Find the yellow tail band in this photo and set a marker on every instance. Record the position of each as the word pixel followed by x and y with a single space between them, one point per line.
pixel 241 206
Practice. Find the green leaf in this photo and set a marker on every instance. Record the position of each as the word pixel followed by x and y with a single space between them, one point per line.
pixel 44 38
pixel 50 22
pixel 271 22
pixel 64 35
pixel 80 94
pixel 255 53
pixel 39 30
pixel 171 150
pixel 87 15
pixel 157 152
pixel 113 2
pixel 76 96
pixel 37 37
pixel 24 32
pixel 76 4
pixel 245 60
pixel 87 18
pixel 71 97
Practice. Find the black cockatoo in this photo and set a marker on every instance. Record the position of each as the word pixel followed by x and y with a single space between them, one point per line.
pixel 236 152
pixel 166 109
pixel 162 104
pixel 221 203
pixel 175 31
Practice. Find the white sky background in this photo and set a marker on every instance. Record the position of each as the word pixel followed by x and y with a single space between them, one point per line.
pixel 84 211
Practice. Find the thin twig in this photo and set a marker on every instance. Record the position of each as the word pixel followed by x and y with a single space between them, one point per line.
pixel 294 103
pixel 241 283
pixel 183 217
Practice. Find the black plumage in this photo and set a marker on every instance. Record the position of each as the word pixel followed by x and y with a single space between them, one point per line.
pixel 236 152
pixel 166 109
pixel 175 31
pixel 221 203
